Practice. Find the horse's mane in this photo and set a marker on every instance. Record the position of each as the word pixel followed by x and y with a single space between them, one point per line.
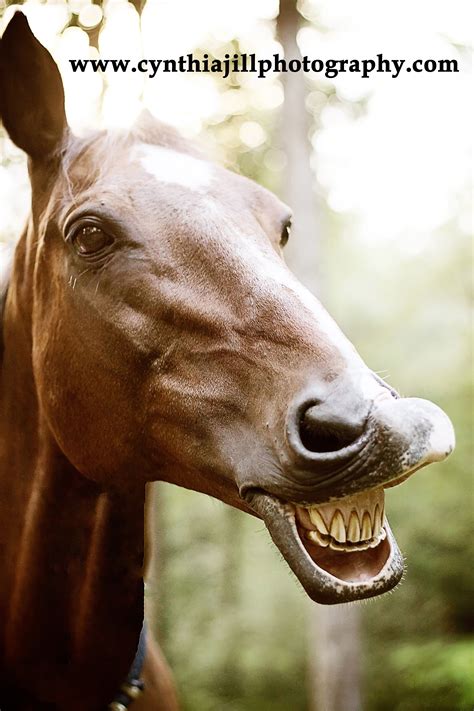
pixel 6 262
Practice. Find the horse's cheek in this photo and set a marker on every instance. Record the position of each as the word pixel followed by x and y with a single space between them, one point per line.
pixel 97 446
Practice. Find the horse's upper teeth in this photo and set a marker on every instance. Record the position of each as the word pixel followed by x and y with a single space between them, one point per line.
pixel 366 528
pixel 338 530
pixel 317 520
pixel 353 523
pixel 377 520
pixel 353 529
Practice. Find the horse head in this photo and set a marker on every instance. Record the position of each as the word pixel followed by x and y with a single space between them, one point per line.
pixel 169 340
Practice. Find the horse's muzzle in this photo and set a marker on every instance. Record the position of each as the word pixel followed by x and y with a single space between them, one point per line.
pixel 326 513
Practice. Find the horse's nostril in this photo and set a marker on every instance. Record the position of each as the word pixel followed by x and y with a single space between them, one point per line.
pixel 324 431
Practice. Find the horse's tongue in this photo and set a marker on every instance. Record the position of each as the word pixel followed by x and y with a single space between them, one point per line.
pixel 349 523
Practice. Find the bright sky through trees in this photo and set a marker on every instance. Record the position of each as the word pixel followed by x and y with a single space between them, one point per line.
pixel 400 166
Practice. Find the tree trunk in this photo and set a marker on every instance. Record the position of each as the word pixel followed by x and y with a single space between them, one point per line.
pixel 303 250
pixel 334 654
pixel 334 636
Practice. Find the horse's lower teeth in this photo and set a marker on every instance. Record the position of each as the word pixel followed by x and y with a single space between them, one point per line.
pixel 317 538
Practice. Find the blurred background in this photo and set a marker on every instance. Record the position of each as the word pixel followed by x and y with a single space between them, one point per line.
pixel 379 174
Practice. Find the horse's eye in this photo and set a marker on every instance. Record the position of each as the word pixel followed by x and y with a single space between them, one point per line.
pixel 285 234
pixel 90 239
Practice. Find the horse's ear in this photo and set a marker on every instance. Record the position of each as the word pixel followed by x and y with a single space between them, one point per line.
pixel 31 91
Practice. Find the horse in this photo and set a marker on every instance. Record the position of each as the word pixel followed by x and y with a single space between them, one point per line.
pixel 152 331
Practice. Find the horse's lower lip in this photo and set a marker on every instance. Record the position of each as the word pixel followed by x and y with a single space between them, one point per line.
pixel 345 576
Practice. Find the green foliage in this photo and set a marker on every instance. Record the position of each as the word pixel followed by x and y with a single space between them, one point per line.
pixel 424 676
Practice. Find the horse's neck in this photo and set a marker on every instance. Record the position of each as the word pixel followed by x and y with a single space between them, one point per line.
pixel 71 555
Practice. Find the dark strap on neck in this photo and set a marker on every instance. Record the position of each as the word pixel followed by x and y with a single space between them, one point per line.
pixel 133 686
pixel 137 666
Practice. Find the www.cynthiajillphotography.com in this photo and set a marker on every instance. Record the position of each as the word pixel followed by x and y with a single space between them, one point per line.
pixel 251 64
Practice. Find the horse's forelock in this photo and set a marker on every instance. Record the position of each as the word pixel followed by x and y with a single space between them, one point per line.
pixel 90 158
pixel 86 159
pixel 148 129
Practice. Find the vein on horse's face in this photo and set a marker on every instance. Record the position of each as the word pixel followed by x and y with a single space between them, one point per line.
pixel 170 166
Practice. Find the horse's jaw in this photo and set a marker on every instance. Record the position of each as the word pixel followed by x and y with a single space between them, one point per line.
pixel 342 548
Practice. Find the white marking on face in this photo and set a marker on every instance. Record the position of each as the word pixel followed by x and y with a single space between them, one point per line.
pixel 271 269
pixel 169 166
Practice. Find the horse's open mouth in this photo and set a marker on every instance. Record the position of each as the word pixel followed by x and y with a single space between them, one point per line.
pixel 339 551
